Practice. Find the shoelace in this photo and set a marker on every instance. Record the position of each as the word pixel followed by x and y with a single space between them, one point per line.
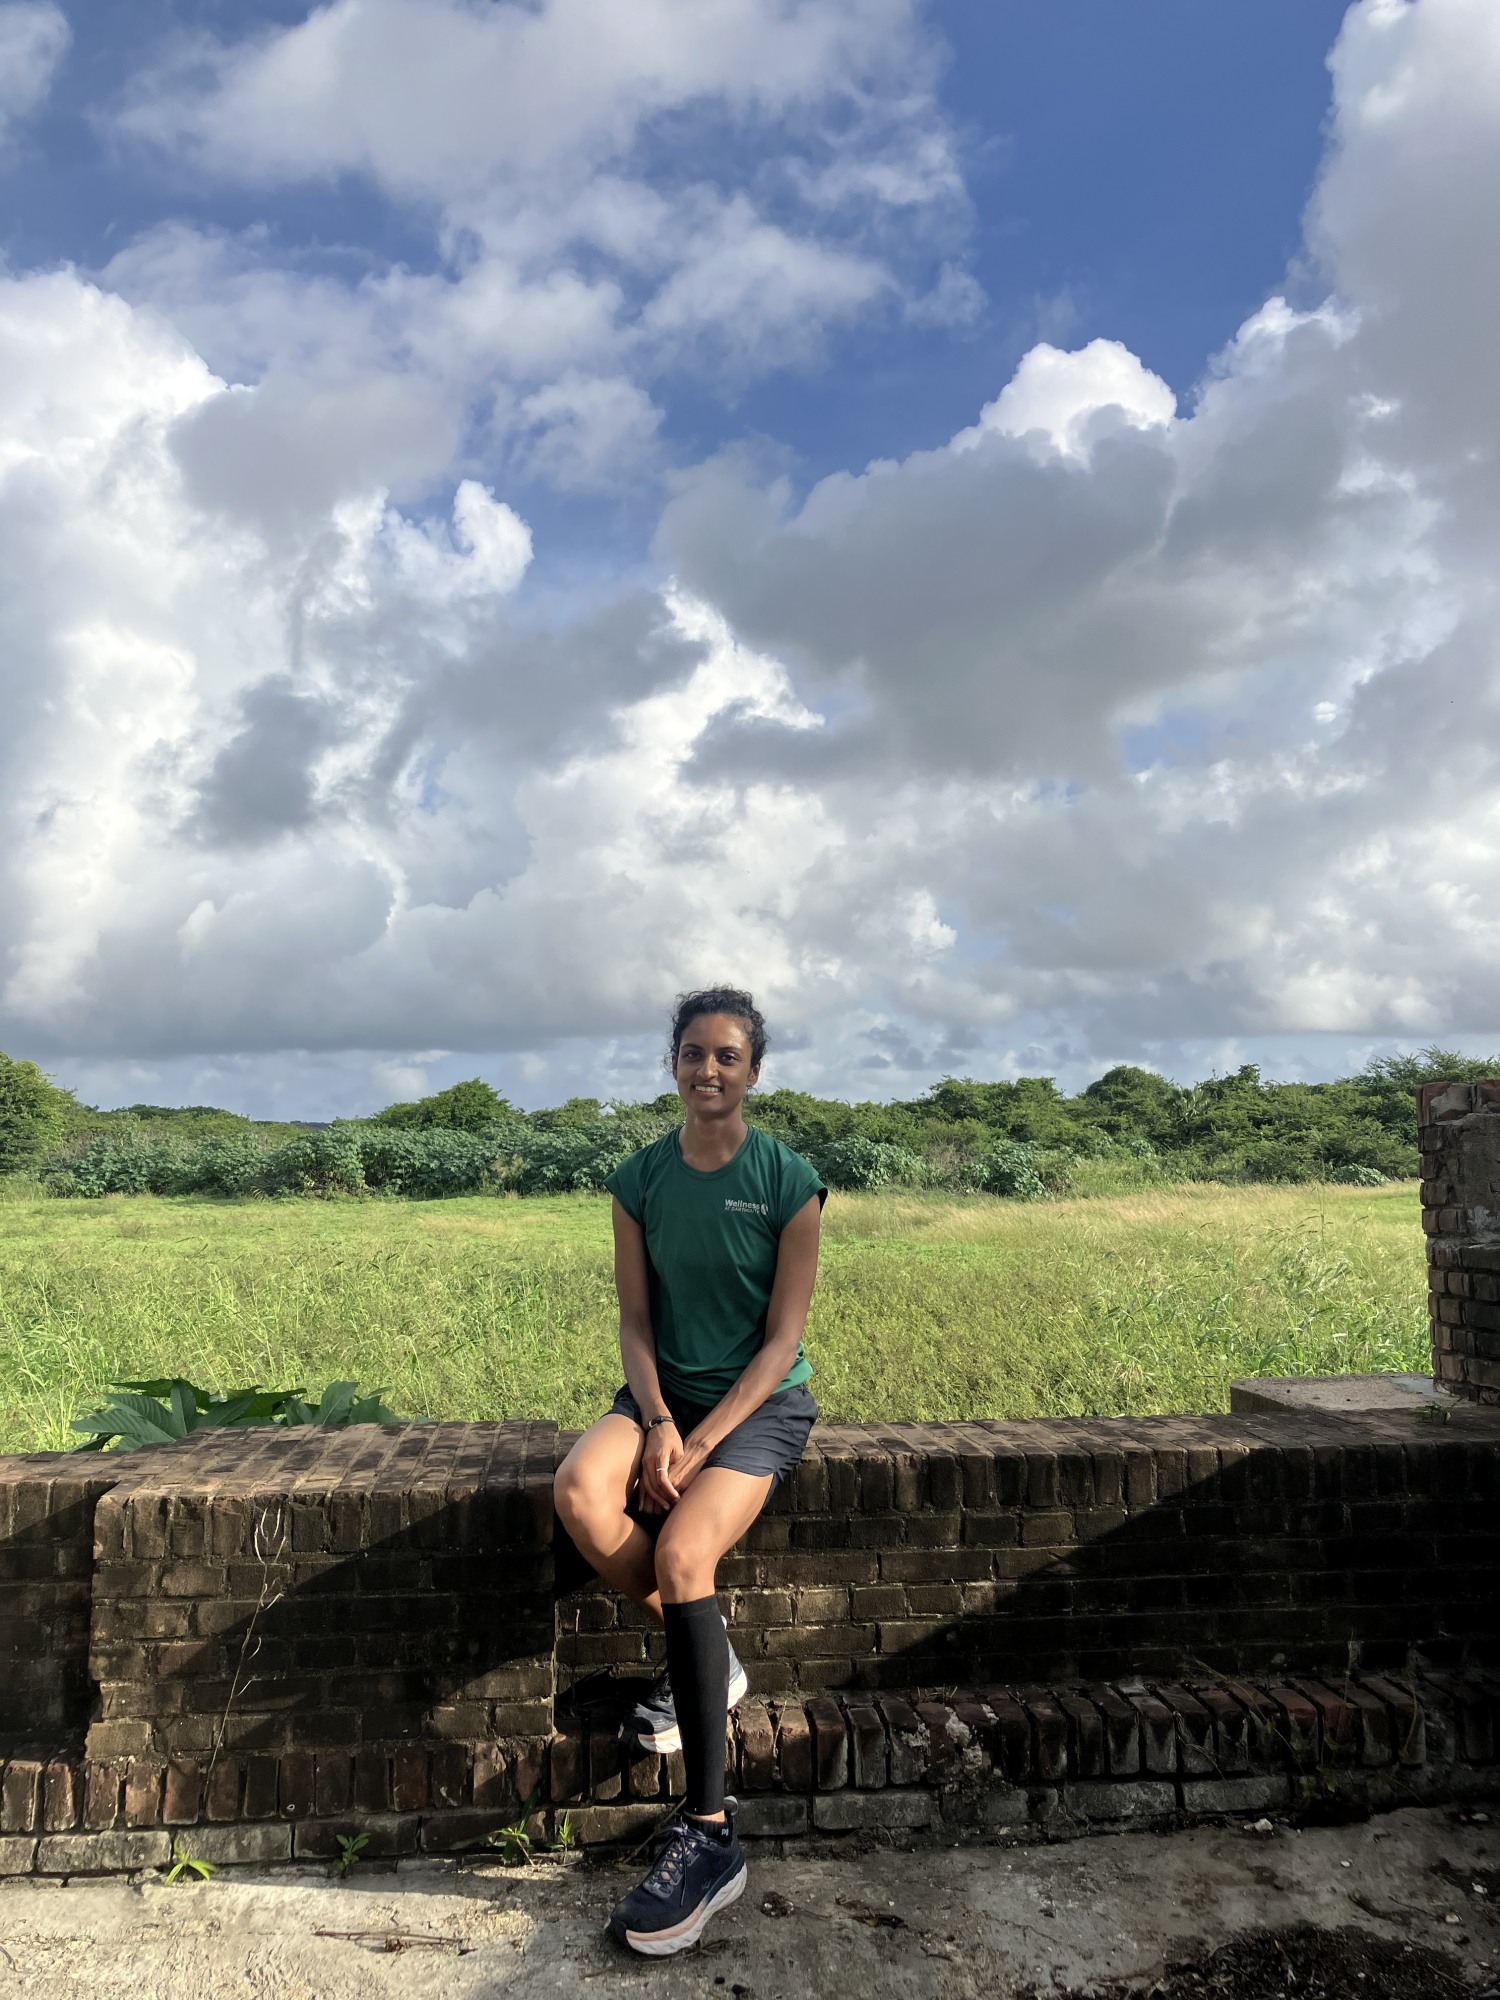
pixel 667 1869
pixel 661 1691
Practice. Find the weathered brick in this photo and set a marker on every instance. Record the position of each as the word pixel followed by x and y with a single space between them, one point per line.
pixel 182 1791
pixel 221 1800
pixel 1085 1735
pixel 771 1816
pixel 867 1746
pixel 1195 1731
pixel 493 1790
pixel 449 1777
pixel 1409 1736
pixel 877 1601
pixel 1335 1718
pixel 1231 1728
pixel 755 1729
pixel 830 1744
pixel 1158 1735
pixel 193 1579
pixel 261 1783
pixel 821 1607
pixel 567 1765
pixel 1299 1726
pixel 143 1787
pixel 1011 1739
pixel 1122 1732
pixel 101 1794
pixel 908 1738
pixel 868 1812
pixel 794 1747
pixel 62 1795
pixel 20 1796
pixel 101 1853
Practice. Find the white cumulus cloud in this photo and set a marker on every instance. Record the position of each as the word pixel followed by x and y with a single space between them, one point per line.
pixel 1114 717
pixel 34 38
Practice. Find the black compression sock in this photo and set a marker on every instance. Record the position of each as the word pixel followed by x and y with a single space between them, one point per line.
pixel 698 1661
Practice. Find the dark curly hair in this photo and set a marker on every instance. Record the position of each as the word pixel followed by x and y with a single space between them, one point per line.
pixel 720 1000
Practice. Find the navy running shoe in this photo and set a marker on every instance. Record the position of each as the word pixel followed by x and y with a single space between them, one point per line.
pixel 653 1721
pixel 699 1870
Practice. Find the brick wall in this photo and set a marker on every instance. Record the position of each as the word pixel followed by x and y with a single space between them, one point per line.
pixel 291 1623
pixel 1460 1140
pixel 976 1554
pixel 294 1635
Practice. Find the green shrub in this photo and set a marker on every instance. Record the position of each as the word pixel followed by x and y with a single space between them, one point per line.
pixel 863 1165
pixel 1011 1169
pixel 472 1106
pixel 324 1163
pixel 142 1413
pixel 1357 1177
pixel 32 1113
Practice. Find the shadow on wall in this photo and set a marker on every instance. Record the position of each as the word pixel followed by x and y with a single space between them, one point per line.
pixel 981 1555
pixel 47 1503
pixel 325 1613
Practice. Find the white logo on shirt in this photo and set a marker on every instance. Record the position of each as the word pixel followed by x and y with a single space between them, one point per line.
pixel 746 1207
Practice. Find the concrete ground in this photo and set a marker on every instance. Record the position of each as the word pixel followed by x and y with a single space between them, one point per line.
pixel 839 1919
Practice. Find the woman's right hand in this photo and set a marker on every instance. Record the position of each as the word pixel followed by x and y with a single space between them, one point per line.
pixel 663 1447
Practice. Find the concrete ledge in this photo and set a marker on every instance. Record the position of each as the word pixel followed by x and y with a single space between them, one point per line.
pixel 239 1846
pixel 859 1812
pixel 1334 1395
pixel 773 1817
pixel 1269 1793
pixel 1140 1799
pixel 101 1853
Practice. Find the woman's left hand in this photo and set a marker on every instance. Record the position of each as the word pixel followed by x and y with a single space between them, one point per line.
pixel 685 1468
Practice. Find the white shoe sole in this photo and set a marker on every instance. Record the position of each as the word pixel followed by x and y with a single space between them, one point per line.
pixel 665 1741
pixel 683 1936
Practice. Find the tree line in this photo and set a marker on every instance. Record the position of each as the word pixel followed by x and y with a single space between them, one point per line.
pixel 1024 1138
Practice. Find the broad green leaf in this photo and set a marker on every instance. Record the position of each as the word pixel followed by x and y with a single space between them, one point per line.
pixel 166 1386
pixel 230 1410
pixel 269 1404
pixel 102 1422
pixel 371 1410
pixel 336 1402
pixel 147 1408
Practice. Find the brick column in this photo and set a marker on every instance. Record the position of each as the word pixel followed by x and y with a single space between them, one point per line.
pixel 47 1503
pixel 1460 1140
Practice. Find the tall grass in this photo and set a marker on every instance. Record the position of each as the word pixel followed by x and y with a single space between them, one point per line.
pixel 928 1306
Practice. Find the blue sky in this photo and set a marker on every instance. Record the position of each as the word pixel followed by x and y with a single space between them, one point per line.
pixel 962 516
pixel 1133 172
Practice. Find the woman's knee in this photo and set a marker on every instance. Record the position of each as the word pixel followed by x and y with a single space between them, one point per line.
pixel 578 1497
pixel 685 1564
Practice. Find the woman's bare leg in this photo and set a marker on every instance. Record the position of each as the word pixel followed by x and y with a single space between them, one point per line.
pixel 716 1510
pixel 593 1485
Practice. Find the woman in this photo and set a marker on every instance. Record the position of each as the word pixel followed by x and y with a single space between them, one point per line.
pixel 716 1254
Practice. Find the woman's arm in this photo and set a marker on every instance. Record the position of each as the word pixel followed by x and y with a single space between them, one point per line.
pixel 638 1357
pixel 791 1296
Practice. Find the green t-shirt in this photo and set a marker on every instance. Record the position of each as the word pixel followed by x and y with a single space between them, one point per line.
pixel 711 1244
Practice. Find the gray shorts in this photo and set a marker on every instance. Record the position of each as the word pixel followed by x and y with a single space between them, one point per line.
pixel 770 1440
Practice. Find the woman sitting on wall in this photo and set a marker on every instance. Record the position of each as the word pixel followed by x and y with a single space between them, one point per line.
pixel 716 1255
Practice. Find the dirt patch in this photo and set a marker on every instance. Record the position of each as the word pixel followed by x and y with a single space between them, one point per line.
pixel 1302 1963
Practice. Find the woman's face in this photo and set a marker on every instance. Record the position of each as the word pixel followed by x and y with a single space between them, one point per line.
pixel 712 1065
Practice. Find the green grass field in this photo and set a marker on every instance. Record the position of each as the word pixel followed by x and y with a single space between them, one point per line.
pixel 928 1306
